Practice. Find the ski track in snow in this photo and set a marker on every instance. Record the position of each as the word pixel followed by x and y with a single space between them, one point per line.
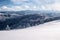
pixel 46 31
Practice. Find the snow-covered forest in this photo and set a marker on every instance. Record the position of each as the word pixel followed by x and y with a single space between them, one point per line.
pixel 24 19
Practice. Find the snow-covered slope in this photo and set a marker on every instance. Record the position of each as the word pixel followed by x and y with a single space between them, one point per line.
pixel 47 31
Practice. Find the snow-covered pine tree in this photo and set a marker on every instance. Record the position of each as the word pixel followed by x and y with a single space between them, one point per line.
pixel 7 28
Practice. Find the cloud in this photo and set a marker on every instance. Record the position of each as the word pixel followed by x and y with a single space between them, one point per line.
pixel 52 6
pixel 18 1
pixel 55 7
pixel 33 1
pixel 18 8
pixel 14 8
pixel 4 8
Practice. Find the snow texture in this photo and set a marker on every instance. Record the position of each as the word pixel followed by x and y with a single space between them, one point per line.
pixel 47 31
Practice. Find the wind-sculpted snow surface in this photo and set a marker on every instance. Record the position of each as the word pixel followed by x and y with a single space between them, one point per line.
pixel 46 31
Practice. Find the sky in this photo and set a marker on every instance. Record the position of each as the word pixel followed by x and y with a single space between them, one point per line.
pixel 17 5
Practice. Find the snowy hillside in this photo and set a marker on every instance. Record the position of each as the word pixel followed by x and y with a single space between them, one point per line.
pixel 47 31
pixel 16 21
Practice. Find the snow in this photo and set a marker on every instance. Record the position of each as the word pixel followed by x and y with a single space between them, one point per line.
pixel 46 31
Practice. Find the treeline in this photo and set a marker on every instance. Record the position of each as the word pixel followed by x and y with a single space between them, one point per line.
pixel 25 21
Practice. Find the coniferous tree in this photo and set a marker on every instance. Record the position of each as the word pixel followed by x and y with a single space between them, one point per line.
pixel 7 28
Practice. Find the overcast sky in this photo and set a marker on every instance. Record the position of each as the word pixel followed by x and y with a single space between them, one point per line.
pixel 17 5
